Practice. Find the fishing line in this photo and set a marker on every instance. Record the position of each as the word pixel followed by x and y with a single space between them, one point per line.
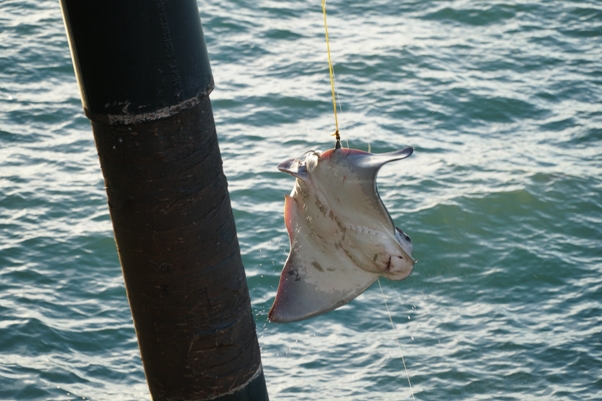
pixel 334 98
pixel 397 339
pixel 338 145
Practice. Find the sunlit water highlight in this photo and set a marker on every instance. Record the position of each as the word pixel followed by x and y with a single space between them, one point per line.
pixel 502 198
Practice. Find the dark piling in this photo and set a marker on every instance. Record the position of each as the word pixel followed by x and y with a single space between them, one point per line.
pixel 145 81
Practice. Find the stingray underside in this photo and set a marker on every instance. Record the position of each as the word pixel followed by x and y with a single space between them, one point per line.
pixel 318 276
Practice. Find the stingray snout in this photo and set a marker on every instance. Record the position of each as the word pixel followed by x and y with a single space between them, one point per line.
pixel 286 165
pixel 294 167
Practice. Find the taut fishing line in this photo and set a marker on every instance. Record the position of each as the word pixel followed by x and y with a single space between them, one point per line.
pixel 334 98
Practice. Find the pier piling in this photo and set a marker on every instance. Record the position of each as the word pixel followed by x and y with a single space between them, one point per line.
pixel 145 79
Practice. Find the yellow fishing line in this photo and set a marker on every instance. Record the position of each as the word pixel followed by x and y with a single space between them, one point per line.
pixel 334 99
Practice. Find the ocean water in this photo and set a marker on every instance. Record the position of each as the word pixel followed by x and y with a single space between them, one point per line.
pixel 502 101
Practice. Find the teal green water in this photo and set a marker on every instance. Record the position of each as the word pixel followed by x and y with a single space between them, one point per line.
pixel 503 199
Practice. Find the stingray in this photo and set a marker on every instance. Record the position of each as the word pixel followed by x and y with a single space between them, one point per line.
pixel 341 235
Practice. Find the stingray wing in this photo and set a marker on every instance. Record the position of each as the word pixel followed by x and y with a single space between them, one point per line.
pixel 348 181
pixel 317 277
pixel 371 161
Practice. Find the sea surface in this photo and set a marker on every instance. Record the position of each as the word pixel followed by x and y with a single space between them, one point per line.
pixel 502 101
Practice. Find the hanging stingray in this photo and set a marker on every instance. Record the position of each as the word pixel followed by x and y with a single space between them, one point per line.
pixel 342 237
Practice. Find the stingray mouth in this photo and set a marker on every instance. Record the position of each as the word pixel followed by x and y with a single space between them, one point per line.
pixel 398 267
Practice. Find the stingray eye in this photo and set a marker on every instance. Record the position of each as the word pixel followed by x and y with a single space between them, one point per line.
pixel 310 160
pixel 404 235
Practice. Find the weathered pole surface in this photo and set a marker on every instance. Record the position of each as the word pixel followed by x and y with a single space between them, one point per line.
pixel 145 78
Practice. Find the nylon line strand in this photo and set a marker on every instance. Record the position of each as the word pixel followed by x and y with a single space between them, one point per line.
pixel 334 99
pixel 397 339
